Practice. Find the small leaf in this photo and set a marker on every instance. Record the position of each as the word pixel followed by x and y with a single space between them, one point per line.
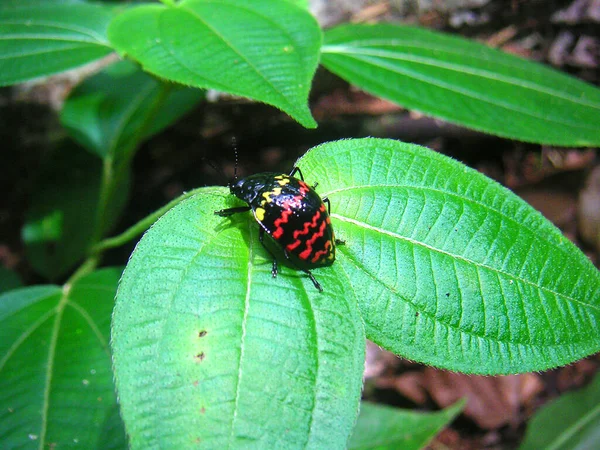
pixel 466 83
pixel 571 422
pixel 62 212
pixel 8 280
pixel 265 50
pixel 382 427
pixel 244 359
pixel 56 383
pixel 107 113
pixel 450 268
pixel 43 38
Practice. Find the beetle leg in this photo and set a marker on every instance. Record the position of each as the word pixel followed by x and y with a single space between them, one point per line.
pixel 313 279
pixel 296 170
pixel 261 235
pixel 306 271
pixel 230 211
pixel 326 200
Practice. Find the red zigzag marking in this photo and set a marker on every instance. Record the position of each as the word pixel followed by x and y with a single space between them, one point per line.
pixel 306 253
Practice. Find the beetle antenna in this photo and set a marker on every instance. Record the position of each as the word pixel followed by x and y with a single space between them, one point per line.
pixel 235 152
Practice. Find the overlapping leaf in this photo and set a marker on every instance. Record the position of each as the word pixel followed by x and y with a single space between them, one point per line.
pixel 56 387
pixel 572 422
pixel 243 359
pixel 263 50
pixel 466 83
pixel 384 428
pixel 450 268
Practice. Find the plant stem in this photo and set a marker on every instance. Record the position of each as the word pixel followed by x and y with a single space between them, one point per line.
pixel 138 228
pixel 88 266
pixel 114 169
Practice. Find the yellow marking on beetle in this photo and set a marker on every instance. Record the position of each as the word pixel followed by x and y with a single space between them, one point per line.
pixel 268 196
pixel 259 213
pixel 282 180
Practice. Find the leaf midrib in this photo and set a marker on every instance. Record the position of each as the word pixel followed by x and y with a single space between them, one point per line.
pixel 460 68
pixel 437 320
pixel 563 438
pixel 462 258
pixel 50 364
pixel 475 95
pixel 87 32
pixel 275 90
pixel 519 224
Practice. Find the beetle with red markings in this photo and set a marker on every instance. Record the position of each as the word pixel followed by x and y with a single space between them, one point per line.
pixel 293 214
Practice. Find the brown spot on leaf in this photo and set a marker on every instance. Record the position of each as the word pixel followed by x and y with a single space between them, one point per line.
pixel 202 333
pixel 200 357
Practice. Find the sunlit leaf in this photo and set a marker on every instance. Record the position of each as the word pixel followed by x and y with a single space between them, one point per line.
pixel 245 359
pixel 265 50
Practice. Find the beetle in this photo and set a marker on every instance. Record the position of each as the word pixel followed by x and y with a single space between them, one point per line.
pixel 293 214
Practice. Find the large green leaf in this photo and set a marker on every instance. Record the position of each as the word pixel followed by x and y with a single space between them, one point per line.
pixel 108 113
pixel 209 349
pixel 466 83
pixel 62 213
pixel 265 50
pixel 56 382
pixel 450 268
pixel 43 38
pixel 571 422
pixel 382 427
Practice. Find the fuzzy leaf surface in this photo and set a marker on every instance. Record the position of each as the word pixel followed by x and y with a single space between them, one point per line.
pixel 265 50
pixel 246 361
pixel 56 382
pixel 450 268
pixel 466 83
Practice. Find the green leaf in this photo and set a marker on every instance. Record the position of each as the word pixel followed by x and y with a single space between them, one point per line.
pixel 572 422
pixel 108 112
pixel 265 50
pixel 8 280
pixel 383 427
pixel 301 3
pixel 43 38
pixel 466 83
pixel 450 268
pixel 56 383
pixel 61 218
pixel 209 349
